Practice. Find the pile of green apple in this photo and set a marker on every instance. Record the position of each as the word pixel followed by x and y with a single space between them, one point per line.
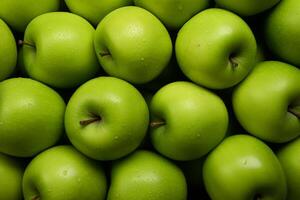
pixel 149 99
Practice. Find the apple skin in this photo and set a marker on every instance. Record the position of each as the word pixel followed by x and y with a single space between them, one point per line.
pixel 246 7
pixel 8 51
pixel 281 30
pixel 216 49
pixel 63 54
pixel 31 117
pixel 18 13
pixel 132 44
pixel 194 120
pixel 243 167
pixel 173 13
pixel 63 173
pixel 11 173
pixel 119 118
pixel 146 175
pixel 267 102
pixel 288 156
pixel 95 10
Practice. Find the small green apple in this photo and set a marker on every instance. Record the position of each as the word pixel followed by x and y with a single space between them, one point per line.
pixel 267 102
pixel 173 13
pixel 289 158
pixel 187 120
pixel 31 117
pixel 62 173
pixel 18 13
pixel 246 7
pixel 132 44
pixel 106 118
pixel 145 175
pixel 95 10
pixel 11 173
pixel 58 50
pixel 242 167
pixel 8 51
pixel 216 49
pixel 282 30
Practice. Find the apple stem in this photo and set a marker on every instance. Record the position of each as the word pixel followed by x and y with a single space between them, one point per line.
pixel 155 124
pixel 104 53
pixel 233 62
pixel 295 111
pixel 89 121
pixel 22 42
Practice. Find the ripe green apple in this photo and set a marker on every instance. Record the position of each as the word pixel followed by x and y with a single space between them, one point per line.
pixel 31 117
pixel 62 173
pixel 11 173
pixel 187 121
pixel 95 10
pixel 289 158
pixel 246 7
pixel 8 51
pixel 216 49
pixel 18 13
pixel 146 175
pixel 173 13
pixel 58 50
pixel 242 167
pixel 132 44
pixel 267 102
pixel 106 118
pixel 282 30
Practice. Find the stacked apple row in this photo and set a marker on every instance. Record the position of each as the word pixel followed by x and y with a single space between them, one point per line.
pixel 161 101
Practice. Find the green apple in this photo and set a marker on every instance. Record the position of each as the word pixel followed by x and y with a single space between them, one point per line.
pixel 18 13
pixel 8 51
pixel 106 118
pixel 246 7
pixel 95 10
pixel 11 173
pixel 289 158
pixel 267 102
pixel 58 50
pixel 282 30
pixel 187 121
pixel 132 44
pixel 173 13
pixel 62 173
pixel 216 49
pixel 145 175
pixel 242 167
pixel 31 117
